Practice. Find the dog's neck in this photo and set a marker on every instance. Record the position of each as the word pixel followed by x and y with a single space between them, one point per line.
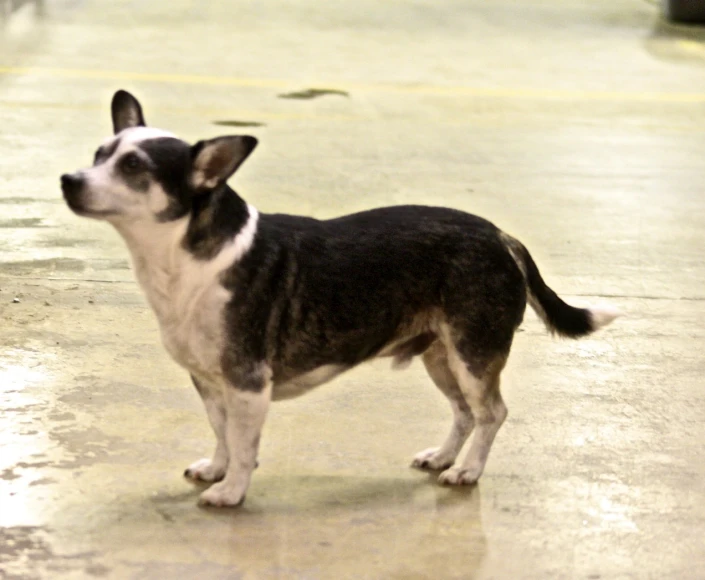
pixel 184 256
pixel 216 217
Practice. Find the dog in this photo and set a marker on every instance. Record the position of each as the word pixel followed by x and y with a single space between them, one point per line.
pixel 263 307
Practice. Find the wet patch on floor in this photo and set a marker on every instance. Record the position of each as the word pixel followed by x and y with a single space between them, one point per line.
pixel 186 570
pixel 62 416
pixel 23 223
pixel 86 446
pixel 308 94
pixel 24 200
pixel 64 243
pixel 8 474
pixel 110 265
pixel 42 481
pixel 106 393
pixel 51 264
pixel 34 465
pixel 26 554
pixel 238 123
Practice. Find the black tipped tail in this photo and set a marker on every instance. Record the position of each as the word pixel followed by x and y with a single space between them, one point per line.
pixel 559 317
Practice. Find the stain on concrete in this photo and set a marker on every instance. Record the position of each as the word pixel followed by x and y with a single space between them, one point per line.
pixel 8 474
pixel 164 515
pixel 26 554
pixel 42 481
pixel 23 223
pixel 238 123
pixel 106 393
pixel 22 409
pixel 64 243
pixel 51 264
pixel 112 265
pixel 35 465
pixel 86 446
pixel 62 416
pixel 309 94
pixel 97 570
pixel 211 570
pixel 25 200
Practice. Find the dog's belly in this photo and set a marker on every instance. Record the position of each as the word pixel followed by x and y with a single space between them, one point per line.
pixel 296 386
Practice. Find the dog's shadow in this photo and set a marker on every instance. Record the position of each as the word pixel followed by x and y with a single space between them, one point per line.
pixel 304 512
pixel 310 493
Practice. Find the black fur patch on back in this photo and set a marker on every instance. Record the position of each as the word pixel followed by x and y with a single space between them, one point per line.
pixel 311 293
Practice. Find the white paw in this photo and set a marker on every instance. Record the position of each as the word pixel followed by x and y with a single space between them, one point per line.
pixel 205 470
pixel 459 476
pixel 222 495
pixel 432 459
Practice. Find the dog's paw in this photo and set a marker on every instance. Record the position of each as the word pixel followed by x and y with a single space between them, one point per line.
pixel 459 476
pixel 205 470
pixel 432 459
pixel 222 495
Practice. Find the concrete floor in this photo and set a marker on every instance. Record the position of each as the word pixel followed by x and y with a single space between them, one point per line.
pixel 577 126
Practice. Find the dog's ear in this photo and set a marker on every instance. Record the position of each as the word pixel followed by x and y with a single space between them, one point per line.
pixel 214 161
pixel 126 111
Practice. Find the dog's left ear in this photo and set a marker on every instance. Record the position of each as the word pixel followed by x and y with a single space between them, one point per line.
pixel 126 111
pixel 214 161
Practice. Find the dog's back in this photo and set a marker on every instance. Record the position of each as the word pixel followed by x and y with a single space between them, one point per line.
pixel 341 291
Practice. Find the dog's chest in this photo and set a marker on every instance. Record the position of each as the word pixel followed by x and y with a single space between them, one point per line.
pixel 190 308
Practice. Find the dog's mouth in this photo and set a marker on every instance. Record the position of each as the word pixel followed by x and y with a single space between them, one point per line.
pixel 72 186
pixel 82 211
pixel 75 203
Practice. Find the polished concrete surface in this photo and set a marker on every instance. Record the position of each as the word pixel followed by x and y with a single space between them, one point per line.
pixel 577 126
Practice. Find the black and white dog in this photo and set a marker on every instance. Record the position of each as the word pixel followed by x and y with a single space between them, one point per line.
pixel 264 307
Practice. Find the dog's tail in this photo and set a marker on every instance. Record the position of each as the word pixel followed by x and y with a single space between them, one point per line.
pixel 560 318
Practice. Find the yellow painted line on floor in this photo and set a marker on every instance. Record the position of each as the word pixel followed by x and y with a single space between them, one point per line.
pixel 211 115
pixel 423 89
pixel 147 77
pixel 216 114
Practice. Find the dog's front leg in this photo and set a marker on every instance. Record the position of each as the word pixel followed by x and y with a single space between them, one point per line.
pixel 246 410
pixel 211 470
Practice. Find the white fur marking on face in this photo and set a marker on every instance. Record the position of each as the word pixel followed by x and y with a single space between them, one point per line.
pixel 133 135
pixel 108 194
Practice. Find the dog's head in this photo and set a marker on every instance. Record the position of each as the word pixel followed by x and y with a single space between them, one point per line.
pixel 144 173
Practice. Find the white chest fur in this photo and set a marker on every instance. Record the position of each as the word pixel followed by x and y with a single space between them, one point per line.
pixel 186 294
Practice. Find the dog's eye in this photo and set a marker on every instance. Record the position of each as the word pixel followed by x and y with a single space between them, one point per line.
pixel 131 163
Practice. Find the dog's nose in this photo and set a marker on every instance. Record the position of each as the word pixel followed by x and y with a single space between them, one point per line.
pixel 69 182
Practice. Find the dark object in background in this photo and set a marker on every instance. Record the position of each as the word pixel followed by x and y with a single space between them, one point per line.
pixel 685 10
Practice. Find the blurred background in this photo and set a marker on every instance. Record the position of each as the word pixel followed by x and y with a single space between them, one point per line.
pixel 578 127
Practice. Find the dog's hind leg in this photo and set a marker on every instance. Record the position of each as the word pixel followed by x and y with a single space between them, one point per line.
pixel 481 390
pixel 211 469
pixel 436 361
